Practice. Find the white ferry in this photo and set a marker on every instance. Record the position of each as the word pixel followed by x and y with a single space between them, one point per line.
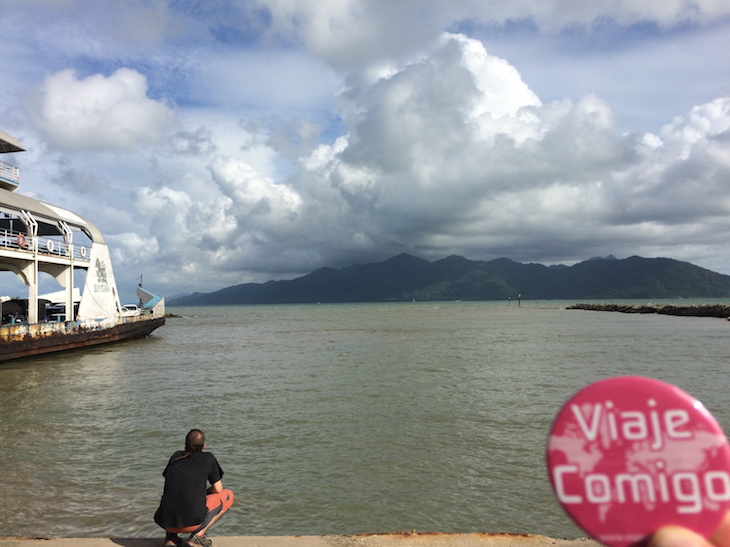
pixel 36 238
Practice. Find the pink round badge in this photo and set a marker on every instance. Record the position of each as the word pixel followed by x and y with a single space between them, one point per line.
pixel 629 455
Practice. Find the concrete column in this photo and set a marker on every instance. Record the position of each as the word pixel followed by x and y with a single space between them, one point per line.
pixel 68 275
pixel 31 274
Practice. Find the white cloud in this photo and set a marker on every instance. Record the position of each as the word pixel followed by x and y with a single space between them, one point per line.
pixel 680 180
pixel 257 203
pixel 708 121
pixel 335 132
pixel 130 246
pixel 100 113
pixel 351 33
pixel 501 87
pixel 415 171
pixel 529 181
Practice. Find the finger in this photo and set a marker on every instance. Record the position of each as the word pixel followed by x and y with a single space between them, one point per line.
pixel 675 536
pixel 721 537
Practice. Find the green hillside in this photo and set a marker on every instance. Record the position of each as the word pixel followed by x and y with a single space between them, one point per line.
pixel 405 278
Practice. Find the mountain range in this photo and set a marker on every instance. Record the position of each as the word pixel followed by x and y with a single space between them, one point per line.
pixel 406 278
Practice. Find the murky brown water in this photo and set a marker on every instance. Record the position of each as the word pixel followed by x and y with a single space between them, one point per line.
pixel 330 419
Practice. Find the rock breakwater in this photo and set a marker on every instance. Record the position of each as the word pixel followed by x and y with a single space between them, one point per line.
pixel 695 310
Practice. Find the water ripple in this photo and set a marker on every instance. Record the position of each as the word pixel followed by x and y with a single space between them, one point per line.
pixel 329 419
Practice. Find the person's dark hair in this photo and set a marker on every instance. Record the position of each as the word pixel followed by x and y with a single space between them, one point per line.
pixel 194 442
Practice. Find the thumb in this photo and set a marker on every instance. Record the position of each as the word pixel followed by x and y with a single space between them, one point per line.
pixel 675 536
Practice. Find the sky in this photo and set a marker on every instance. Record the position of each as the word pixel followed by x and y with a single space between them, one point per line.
pixel 219 142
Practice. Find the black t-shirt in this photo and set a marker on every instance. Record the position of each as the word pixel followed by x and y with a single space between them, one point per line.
pixel 186 482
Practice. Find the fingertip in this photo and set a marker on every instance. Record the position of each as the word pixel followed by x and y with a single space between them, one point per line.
pixel 721 537
pixel 675 536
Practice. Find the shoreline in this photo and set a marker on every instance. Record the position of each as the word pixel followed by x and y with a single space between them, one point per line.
pixel 721 311
pixel 396 539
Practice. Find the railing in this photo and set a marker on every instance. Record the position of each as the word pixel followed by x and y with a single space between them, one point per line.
pixel 43 245
pixel 9 172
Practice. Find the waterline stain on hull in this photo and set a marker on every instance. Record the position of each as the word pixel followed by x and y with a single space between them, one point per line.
pixel 27 340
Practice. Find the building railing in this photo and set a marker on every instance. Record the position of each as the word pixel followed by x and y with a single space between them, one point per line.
pixel 9 172
pixel 47 246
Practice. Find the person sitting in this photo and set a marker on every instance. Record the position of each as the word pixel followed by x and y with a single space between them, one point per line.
pixel 188 504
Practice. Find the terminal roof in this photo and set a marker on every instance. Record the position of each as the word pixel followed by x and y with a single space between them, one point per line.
pixel 9 144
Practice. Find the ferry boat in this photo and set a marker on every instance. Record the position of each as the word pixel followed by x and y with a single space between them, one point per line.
pixel 37 237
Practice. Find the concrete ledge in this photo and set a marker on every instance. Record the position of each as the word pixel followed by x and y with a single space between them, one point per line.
pixel 405 539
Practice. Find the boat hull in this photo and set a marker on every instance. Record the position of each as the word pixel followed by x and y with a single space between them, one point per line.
pixel 27 340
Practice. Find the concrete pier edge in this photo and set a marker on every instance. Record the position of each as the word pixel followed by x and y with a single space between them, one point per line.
pixel 404 539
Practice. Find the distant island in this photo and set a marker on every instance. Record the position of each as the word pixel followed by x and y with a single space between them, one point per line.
pixel 405 278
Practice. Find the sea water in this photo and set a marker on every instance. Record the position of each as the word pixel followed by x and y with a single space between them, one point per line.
pixel 330 419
